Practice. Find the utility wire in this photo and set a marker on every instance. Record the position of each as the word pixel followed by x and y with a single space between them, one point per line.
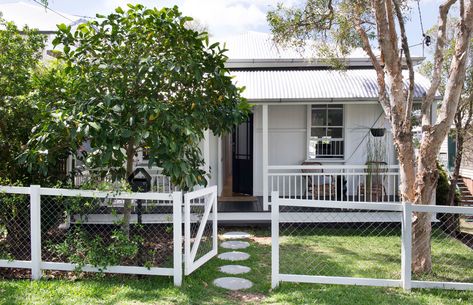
pixel 420 18
pixel 50 9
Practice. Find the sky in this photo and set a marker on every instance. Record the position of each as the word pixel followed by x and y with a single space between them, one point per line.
pixel 229 17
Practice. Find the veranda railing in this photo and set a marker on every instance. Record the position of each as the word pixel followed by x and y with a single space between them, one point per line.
pixel 353 183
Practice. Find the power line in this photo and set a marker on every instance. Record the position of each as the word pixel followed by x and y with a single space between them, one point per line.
pixel 50 9
pixel 420 18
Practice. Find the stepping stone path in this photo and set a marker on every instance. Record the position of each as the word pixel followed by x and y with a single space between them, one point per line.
pixel 236 235
pixel 234 256
pixel 235 244
pixel 234 269
pixel 234 283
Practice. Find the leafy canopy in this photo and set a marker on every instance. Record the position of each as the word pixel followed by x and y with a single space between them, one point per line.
pixel 140 79
pixel 327 26
pixel 20 54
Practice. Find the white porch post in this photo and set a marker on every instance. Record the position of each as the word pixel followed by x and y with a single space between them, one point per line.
pixel 207 151
pixel 220 166
pixel 265 158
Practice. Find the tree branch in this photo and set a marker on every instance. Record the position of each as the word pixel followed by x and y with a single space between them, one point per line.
pixel 377 66
pixel 426 108
pixel 410 66
pixel 457 76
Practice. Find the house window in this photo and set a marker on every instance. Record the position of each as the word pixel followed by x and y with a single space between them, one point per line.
pixel 326 132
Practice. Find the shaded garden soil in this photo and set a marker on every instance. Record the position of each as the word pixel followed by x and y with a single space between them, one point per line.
pixel 155 250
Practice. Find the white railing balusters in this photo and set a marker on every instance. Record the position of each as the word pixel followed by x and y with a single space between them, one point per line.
pixel 356 183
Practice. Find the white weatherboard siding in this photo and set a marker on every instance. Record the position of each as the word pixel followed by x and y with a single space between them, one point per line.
pixel 287 134
pixel 288 137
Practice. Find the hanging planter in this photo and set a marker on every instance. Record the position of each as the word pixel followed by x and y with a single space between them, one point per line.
pixel 378 132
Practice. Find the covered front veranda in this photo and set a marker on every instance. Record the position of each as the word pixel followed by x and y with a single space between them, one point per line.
pixel 302 153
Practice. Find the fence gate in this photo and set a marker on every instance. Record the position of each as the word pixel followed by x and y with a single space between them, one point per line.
pixel 200 230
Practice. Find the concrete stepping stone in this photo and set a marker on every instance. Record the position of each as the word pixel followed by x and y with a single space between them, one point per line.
pixel 235 244
pixel 234 256
pixel 236 235
pixel 233 283
pixel 234 269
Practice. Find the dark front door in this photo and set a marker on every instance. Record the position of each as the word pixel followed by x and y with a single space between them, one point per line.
pixel 242 171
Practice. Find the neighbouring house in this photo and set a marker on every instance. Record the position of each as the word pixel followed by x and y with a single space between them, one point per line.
pixel 38 17
pixel 315 132
pixel 465 184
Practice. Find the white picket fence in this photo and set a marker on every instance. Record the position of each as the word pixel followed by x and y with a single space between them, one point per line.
pixel 399 212
pixel 205 197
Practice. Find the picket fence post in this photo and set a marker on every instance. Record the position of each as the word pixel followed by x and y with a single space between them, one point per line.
pixel 35 233
pixel 406 248
pixel 177 229
pixel 274 239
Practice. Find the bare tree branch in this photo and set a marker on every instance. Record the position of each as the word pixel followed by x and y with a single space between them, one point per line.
pixel 410 66
pixel 376 64
pixel 457 72
pixel 426 109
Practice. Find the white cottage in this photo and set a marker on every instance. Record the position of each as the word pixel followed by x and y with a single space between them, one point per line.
pixel 312 131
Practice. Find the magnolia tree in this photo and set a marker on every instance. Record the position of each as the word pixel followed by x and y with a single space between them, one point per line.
pixel 338 26
pixel 142 79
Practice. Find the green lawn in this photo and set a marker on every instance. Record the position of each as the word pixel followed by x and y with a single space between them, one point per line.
pixel 336 252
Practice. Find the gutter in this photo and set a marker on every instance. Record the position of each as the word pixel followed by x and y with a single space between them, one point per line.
pixel 248 63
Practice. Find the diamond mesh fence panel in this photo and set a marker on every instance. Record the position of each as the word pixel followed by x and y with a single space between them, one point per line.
pixel 197 209
pixel 95 231
pixel 15 240
pixel 450 245
pixel 340 242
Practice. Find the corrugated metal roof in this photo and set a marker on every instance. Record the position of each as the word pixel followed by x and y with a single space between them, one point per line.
pixel 300 85
pixel 258 50
pixel 259 45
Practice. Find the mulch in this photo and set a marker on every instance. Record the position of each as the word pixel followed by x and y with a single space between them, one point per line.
pixel 157 249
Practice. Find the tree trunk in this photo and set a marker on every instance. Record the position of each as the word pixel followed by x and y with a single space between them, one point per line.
pixel 432 138
pixel 130 154
pixel 426 183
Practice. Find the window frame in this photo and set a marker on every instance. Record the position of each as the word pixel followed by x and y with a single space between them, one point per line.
pixel 310 126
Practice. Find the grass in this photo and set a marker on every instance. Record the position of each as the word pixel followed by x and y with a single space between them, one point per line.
pixel 343 253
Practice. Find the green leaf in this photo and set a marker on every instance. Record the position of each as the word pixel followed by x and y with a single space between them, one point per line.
pixel 94 125
pixel 62 27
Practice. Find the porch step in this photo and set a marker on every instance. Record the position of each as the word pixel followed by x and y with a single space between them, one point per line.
pixel 237 199
pixel 465 195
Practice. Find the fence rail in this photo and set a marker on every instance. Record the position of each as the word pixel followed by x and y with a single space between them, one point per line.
pixel 43 223
pixel 358 251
